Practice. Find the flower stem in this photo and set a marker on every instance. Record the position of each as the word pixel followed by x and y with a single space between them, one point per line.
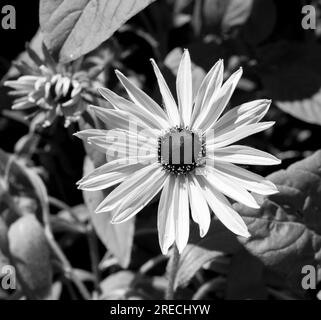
pixel 172 272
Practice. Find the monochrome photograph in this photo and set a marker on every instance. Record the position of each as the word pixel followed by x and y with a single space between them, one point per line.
pixel 160 157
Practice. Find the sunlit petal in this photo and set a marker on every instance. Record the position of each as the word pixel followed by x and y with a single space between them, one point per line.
pixel 141 99
pixel 169 102
pixel 184 88
pixel 165 215
pixel 222 209
pixel 210 86
pixel 199 208
pixel 181 213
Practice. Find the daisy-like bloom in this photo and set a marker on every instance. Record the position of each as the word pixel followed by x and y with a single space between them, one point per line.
pixel 49 89
pixel 185 152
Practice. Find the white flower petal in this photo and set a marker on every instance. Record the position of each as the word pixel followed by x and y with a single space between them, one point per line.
pixel 121 120
pixel 231 189
pixel 28 79
pixel 22 105
pixel 142 183
pixel 19 85
pixel 169 102
pixel 88 133
pixel 222 208
pixel 199 208
pixel 141 99
pixel 218 103
pixel 65 85
pixel 113 173
pixel 165 215
pixel 245 155
pixel 249 180
pixel 208 88
pixel 122 148
pixel 137 195
pixel 121 143
pixel 225 139
pixel 184 88
pixel 137 110
pixel 181 213
pixel 246 113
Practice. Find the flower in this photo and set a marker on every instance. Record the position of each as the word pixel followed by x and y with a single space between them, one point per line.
pixel 185 152
pixel 49 89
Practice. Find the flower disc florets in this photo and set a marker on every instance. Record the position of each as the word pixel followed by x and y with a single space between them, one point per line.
pixel 181 150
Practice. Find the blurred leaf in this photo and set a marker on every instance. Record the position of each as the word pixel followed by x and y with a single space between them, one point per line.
pixel 30 254
pixel 261 21
pixel 291 75
pixel 308 110
pixel 55 292
pixel 27 145
pixel 116 284
pixel 39 187
pixel 129 285
pixel 74 28
pixel 236 13
pixel 83 275
pixel 205 250
pixel 3 243
pixel 192 260
pixel 4 261
pixel 286 231
pixel 23 185
pixel 222 15
pixel 3 236
pixel 118 238
pixel 245 278
pixel 79 212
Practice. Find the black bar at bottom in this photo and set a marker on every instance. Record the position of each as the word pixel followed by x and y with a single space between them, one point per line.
pixel 103 310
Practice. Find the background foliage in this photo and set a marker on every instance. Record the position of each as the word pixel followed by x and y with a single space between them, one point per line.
pixel 48 231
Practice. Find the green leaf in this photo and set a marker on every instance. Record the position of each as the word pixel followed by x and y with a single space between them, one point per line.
pixel 76 27
pixel 118 238
pixel 30 255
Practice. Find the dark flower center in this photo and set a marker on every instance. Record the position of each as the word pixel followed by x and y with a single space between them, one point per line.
pixel 181 150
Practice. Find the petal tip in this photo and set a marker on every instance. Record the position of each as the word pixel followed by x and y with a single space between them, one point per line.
pixel 246 234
